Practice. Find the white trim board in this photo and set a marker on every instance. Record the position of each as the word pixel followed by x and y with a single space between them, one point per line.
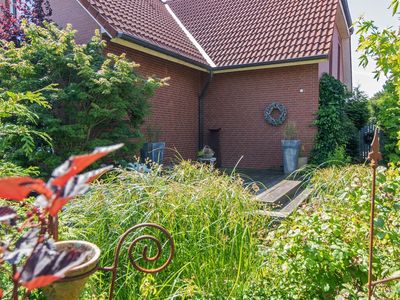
pixel 102 29
pixel 191 37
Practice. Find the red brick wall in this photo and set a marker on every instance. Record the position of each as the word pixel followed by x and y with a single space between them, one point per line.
pixel 236 103
pixel 174 107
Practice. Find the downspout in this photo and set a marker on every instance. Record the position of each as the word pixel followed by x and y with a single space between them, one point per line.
pixel 201 110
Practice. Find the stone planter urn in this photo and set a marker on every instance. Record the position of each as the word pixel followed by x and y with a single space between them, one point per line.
pixel 71 286
pixel 153 152
pixel 291 150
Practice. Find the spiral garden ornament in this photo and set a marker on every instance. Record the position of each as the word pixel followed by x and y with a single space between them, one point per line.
pixel 282 114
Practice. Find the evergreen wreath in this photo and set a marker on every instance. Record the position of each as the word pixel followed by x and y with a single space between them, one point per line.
pixel 282 114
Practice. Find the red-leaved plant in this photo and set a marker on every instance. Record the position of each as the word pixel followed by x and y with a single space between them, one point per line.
pixel 28 247
pixel 14 12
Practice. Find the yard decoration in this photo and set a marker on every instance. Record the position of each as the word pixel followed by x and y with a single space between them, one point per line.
pixel 33 256
pixel 374 156
pixel 206 155
pixel 206 152
pixel 282 114
pixel 386 111
pixel 61 268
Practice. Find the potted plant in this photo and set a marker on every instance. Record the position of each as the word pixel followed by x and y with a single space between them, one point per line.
pixel 206 155
pixel 303 159
pixel 206 152
pixel 153 149
pixel 291 148
pixel 37 261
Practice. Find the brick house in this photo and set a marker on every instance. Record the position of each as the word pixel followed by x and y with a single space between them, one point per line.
pixel 227 60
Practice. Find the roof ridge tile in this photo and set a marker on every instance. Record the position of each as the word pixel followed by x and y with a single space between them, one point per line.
pixel 224 32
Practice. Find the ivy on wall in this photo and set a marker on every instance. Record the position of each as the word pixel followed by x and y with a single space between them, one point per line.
pixel 335 129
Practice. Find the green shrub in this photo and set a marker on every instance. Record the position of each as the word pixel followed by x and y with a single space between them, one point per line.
pixel 321 252
pixel 338 157
pixel 100 99
pixel 8 169
pixel 334 126
pixel 340 116
pixel 210 218
pixel 357 109
pixel 382 46
pixel 17 129
pixel 17 121
pixel 386 113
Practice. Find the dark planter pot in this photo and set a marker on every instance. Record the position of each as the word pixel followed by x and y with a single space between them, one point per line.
pixel 153 152
pixel 291 150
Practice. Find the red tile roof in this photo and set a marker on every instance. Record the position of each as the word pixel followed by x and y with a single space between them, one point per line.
pixel 232 32
pixel 145 20
pixel 259 31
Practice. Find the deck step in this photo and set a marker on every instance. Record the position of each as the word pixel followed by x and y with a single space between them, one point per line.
pixel 280 194
pixel 290 208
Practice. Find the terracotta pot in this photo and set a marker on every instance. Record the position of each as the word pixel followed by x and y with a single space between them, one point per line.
pixel 67 288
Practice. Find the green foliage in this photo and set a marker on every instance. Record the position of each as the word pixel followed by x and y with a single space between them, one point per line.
pixel 210 218
pixel 100 99
pixel 338 157
pixel 340 116
pixel 334 126
pixel 386 112
pixel 8 169
pixel 153 134
pixel 357 108
pixel 17 128
pixel 321 252
pixel 394 6
pixel 358 112
pixel 383 47
pixel 290 131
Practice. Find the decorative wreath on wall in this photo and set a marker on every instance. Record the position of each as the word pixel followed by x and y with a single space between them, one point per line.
pixel 282 114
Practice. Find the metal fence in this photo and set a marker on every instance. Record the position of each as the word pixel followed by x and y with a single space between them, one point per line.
pixel 366 135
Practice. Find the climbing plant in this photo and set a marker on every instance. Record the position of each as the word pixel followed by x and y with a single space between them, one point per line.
pixel 334 126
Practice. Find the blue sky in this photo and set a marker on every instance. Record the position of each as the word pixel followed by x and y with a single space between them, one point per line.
pixel 374 10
